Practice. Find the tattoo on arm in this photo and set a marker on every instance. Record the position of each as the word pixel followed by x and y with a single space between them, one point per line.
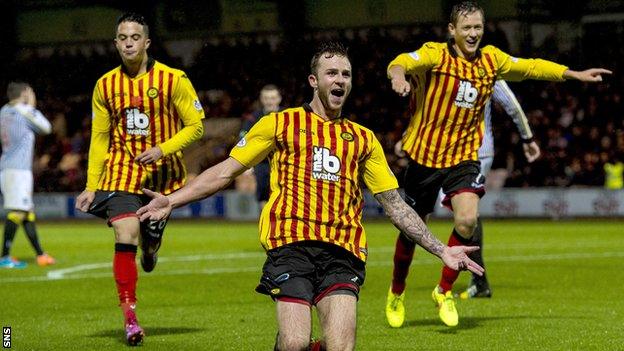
pixel 407 220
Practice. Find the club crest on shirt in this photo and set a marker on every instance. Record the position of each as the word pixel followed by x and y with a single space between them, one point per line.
pixel 347 136
pixel 152 93
pixel 481 72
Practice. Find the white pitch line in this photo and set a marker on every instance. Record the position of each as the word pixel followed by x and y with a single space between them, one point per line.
pixel 61 274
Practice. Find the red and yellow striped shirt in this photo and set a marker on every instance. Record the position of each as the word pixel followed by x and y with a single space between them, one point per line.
pixel 448 98
pixel 131 115
pixel 316 168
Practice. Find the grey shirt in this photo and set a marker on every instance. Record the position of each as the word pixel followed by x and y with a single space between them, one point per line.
pixel 18 125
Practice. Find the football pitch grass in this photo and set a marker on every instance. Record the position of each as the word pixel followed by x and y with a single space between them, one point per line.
pixel 557 285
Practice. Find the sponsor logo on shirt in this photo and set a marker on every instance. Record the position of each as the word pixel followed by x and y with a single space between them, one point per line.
pixel 466 95
pixel 325 166
pixel 137 122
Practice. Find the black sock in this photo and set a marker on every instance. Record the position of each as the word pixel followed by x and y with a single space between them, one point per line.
pixel 31 233
pixel 477 256
pixel 10 228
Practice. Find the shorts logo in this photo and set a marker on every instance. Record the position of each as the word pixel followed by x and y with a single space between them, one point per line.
pixel 282 278
pixel 152 93
pixel 325 166
pixel 479 182
pixel 354 279
pixel 346 136
pixel 275 291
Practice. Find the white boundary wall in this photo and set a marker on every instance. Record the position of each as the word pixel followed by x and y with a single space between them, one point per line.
pixel 553 203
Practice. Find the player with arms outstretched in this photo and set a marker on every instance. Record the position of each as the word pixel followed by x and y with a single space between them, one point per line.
pixel 449 85
pixel 311 226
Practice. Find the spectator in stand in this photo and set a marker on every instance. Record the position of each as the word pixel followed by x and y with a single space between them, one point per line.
pixel 270 99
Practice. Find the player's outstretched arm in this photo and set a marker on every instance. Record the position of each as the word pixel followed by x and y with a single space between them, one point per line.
pixel 397 77
pixel 588 75
pixel 204 185
pixel 408 221
pixel 157 209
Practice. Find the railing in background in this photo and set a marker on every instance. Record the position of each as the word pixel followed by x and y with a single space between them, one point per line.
pixel 555 203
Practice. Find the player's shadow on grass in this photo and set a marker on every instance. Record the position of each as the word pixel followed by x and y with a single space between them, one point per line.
pixel 118 333
pixel 465 323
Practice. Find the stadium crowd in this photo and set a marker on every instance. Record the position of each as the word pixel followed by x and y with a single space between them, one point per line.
pixel 579 127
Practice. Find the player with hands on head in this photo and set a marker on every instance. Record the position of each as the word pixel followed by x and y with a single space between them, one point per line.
pixel 20 121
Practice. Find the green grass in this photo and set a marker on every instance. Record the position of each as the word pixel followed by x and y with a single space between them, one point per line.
pixel 556 285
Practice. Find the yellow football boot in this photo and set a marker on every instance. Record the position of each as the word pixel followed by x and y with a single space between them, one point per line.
pixel 446 306
pixel 395 309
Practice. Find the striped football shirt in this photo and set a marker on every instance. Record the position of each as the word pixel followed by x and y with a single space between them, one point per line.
pixel 133 114
pixel 316 168
pixel 449 94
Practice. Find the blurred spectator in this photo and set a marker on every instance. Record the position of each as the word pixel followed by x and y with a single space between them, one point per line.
pixel 578 125
pixel 270 99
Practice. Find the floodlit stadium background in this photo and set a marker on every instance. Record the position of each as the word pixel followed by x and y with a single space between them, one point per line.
pixel 230 49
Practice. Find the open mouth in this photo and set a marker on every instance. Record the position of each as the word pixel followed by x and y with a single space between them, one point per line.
pixel 338 92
